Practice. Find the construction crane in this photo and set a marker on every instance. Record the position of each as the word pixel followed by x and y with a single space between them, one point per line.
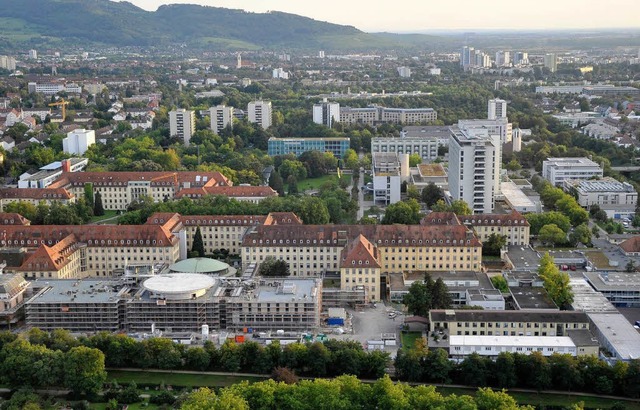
pixel 63 104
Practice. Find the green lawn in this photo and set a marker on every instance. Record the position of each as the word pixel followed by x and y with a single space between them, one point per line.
pixel 178 379
pixel 313 184
pixel 545 399
pixel 107 214
pixel 408 339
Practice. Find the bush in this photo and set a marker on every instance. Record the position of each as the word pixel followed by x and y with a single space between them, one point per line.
pixel 164 397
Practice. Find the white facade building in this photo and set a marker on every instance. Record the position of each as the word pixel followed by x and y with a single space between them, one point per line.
pixel 221 116
pixel 182 124
pixel 389 171
pixel 462 346
pixel 280 73
pixel 404 72
pixel 259 112
pixel 503 59
pixel 500 126
pixel 606 191
pixel 475 160
pixel 559 170
pixel 551 62
pixel 78 141
pixel 8 63
pixel 325 113
pixel 33 54
pixel 497 108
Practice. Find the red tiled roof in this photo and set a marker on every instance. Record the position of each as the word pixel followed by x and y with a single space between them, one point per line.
pixel 631 245
pixel 282 218
pixel 170 178
pixel 49 258
pixel 222 220
pixel 440 218
pixel 229 191
pixel 360 253
pixel 12 218
pixel 514 218
pixel 35 193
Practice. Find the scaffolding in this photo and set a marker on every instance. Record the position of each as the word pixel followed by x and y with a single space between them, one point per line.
pixel 353 298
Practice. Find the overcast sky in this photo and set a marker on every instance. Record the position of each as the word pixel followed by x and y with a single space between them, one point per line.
pixel 418 15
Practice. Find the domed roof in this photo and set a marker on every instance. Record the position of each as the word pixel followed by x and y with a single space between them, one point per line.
pixel 176 286
pixel 199 265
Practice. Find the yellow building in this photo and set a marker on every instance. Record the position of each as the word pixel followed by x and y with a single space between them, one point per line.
pixel 35 196
pixel 513 226
pixel 360 268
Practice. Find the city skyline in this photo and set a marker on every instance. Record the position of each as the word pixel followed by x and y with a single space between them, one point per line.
pixel 566 14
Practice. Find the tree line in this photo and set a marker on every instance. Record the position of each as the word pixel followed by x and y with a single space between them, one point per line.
pixel 558 372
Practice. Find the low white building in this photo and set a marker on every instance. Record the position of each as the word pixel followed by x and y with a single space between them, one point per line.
pixel 78 141
pixel 462 346
pixel 606 191
pixel 601 131
pixel 559 170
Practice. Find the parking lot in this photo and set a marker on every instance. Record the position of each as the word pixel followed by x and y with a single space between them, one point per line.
pixel 371 323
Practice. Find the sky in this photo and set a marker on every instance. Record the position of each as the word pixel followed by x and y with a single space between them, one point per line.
pixel 424 15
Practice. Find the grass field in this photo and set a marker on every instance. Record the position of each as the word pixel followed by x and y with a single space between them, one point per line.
pixel 543 399
pixel 313 184
pixel 178 379
pixel 408 339
pixel 107 214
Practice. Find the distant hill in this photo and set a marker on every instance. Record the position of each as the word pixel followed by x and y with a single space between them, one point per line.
pixel 123 24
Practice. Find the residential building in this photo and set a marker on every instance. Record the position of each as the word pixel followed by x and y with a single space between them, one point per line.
pixel 8 63
pixel 513 226
pixel 176 302
pixel 338 146
pixel 326 113
pixel 366 116
pixel 423 140
pixel 280 73
pixel 475 159
pixel 551 62
pixel 503 59
pixel 376 114
pixel 41 113
pixel 78 141
pixel 388 170
pixel 312 250
pixel 360 268
pixel 120 189
pixel 497 108
pixel 520 58
pixel 606 191
pixel 182 124
pixel 404 72
pixel 35 196
pixel 33 54
pixel 221 118
pixel 559 170
pixel 500 126
pixel 467 57
pixel 259 112
pixel 601 131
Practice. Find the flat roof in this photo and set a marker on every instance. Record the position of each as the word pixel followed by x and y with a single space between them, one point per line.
pixel 178 283
pixel 620 334
pixel 588 300
pixel 77 291
pixel 284 292
pixel 613 280
pixel 532 298
pixel 431 170
pixel 603 185
pixel 524 341
pixel 572 161
pixel 549 316
pixel 515 196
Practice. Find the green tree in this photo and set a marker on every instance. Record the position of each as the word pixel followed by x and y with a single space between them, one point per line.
pixel 505 370
pixel 494 244
pixel 198 243
pixel 580 234
pixel 426 295
pixel 407 213
pixel 552 235
pixel 556 283
pixel 431 194
pixel 415 160
pixel 84 370
pixel 351 160
pixel 537 221
pixel 500 283
pixel 513 165
pixel 474 370
pixel 292 185
pixel 88 193
pixel 275 182
pixel 98 209
pixel 274 267
pixel 313 211
pixel 460 207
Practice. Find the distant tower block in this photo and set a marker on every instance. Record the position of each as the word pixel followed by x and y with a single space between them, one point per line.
pixel 517 140
pixel 54 70
pixel 239 63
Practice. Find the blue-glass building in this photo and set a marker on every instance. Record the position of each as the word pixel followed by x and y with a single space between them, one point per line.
pixel 283 146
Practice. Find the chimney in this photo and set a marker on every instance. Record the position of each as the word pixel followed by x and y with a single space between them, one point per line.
pixel 66 165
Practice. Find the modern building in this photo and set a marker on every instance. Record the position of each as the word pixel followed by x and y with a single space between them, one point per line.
pixel 425 174
pixel 475 159
pixel 559 170
pixel 13 290
pixel 33 54
pixel 503 58
pixel 338 146
pixel 78 141
pixel 280 73
pixel 260 112
pixel 467 57
pixel 176 302
pixel 182 124
pixel 497 108
pixel 621 288
pixel 326 113
pixel 8 63
pixel 551 62
pixel 491 346
pixel 606 191
pixel 221 117
pixel 421 140
pixel 381 115
pixel 500 126
pixel 520 58
pixel 404 72
pixel 389 170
